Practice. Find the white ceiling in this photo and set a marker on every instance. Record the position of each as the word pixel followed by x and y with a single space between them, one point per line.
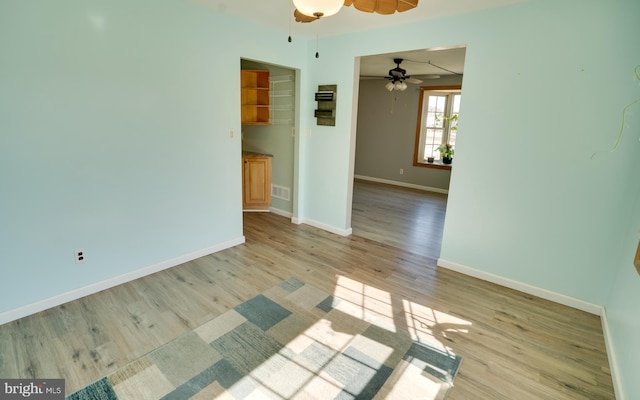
pixel 278 14
pixel 422 64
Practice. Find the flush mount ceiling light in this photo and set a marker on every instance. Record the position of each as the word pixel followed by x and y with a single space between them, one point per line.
pixel 311 10
pixel 318 8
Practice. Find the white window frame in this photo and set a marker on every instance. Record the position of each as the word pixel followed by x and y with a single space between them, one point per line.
pixel 449 91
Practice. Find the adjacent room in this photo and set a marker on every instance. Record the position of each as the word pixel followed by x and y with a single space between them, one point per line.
pixel 508 266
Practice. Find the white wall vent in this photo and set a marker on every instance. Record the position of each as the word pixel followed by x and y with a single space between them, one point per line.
pixel 280 192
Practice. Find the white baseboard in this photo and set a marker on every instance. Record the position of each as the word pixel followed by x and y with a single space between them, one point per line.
pixel 349 231
pixel 403 184
pixel 611 354
pixel 557 298
pixel 75 294
pixel 280 212
pixel 323 226
pixel 523 287
pixel 271 210
pixel 298 221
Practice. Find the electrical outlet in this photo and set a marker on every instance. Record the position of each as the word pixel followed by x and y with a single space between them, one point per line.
pixel 80 256
pixel 401 171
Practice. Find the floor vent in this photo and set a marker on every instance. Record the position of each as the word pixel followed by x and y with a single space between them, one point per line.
pixel 280 192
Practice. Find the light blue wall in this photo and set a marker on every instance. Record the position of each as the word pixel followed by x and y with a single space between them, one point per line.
pixel 325 150
pixel 623 308
pixel 541 96
pixel 114 137
pixel 114 121
pixel 544 88
pixel 541 99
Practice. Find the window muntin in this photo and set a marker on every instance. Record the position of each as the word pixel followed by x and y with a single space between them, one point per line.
pixel 438 114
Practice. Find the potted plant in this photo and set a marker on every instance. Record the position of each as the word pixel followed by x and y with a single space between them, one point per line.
pixel 446 152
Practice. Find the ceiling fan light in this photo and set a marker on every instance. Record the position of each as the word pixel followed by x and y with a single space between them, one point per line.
pixel 389 86
pixel 318 8
pixel 403 86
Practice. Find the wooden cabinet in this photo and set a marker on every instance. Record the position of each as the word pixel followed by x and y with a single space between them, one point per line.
pixel 256 182
pixel 254 96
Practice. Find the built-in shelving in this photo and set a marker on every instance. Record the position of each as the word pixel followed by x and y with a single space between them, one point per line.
pixel 282 103
pixel 255 97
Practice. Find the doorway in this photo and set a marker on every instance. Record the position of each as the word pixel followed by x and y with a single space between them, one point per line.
pixel 396 201
pixel 277 138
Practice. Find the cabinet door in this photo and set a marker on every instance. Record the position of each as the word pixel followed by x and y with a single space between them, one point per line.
pixel 257 183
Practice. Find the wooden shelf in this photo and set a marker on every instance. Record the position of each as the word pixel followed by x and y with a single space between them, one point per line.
pixel 254 97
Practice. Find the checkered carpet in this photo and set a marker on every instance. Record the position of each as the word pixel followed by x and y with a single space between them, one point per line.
pixel 293 341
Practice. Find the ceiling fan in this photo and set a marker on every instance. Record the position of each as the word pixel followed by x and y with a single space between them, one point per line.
pixel 398 76
pixel 311 10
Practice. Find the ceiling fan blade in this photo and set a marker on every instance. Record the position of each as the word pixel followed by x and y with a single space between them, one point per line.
pixel 365 5
pixel 300 17
pixel 404 5
pixel 384 7
pixel 387 7
pixel 413 80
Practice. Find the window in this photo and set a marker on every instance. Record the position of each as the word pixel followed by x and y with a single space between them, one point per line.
pixel 438 112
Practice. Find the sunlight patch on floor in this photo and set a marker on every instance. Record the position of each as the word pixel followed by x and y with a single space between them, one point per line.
pixel 376 306
pixel 366 337
pixel 427 325
pixel 364 302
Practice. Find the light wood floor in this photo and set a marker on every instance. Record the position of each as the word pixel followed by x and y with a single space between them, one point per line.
pixel 514 346
pixel 408 219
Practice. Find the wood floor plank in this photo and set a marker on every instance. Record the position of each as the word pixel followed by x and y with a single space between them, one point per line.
pixel 514 345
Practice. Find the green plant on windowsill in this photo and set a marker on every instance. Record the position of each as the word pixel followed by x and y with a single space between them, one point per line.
pixel 446 150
